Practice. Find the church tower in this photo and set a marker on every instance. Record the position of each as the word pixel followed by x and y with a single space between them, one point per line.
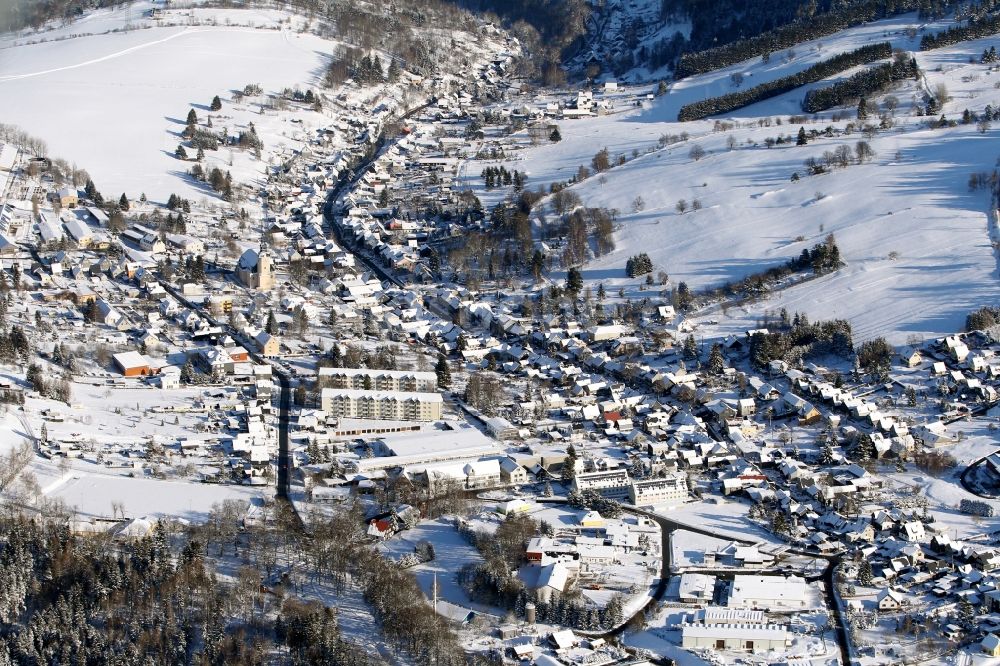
pixel 265 270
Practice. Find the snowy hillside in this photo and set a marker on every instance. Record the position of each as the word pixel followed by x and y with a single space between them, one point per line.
pixel 115 103
pixel 110 91
pixel 911 202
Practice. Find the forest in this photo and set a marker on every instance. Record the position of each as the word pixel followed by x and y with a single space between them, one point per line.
pixel 975 29
pixel 76 598
pixel 799 339
pixel 818 72
pixel 788 36
pixel 862 84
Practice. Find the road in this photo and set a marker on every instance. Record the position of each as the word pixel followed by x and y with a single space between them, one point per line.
pixel 282 378
pixel 963 477
pixel 329 214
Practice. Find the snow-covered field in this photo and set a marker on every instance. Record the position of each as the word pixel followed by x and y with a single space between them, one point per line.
pixel 114 103
pixel 12 433
pixel 91 493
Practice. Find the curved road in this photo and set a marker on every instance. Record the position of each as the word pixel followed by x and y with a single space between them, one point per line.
pixel 667 528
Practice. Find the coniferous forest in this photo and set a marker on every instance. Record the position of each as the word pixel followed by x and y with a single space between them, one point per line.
pixel 818 72
pixel 860 85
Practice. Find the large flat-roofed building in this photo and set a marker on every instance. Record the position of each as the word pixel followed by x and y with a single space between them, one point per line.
pixel 737 637
pixel 381 405
pixel 658 491
pixel 613 483
pixel 768 592
pixel 415 450
pixel 379 380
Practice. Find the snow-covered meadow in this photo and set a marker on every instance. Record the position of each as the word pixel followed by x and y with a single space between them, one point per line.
pixel 114 102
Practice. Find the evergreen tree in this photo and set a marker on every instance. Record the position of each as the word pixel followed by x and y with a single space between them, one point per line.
pixel 966 614
pixel 690 348
pixel 192 117
pixel 555 136
pixel 716 363
pixel 574 282
pixel 865 573
pixel 271 327
pixel 216 104
pixel 683 297
pixel 180 154
pixel 569 466
pixel 187 372
pixel 123 202
pixel 779 523
pixel 443 372
pixel 801 140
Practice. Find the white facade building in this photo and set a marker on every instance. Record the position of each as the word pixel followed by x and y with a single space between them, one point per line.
pixel 768 592
pixel 382 405
pixel 659 491
pixel 379 380
pixel 613 483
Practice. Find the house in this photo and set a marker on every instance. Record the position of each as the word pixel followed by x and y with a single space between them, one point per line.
pixel 913 531
pixel 512 473
pixel 990 645
pixel 514 506
pixel 170 380
pixel 912 358
pixel 267 344
pixel 563 640
pixel 934 434
pixel 889 600
pixel 592 519
pixel 67 197
pixel 133 364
